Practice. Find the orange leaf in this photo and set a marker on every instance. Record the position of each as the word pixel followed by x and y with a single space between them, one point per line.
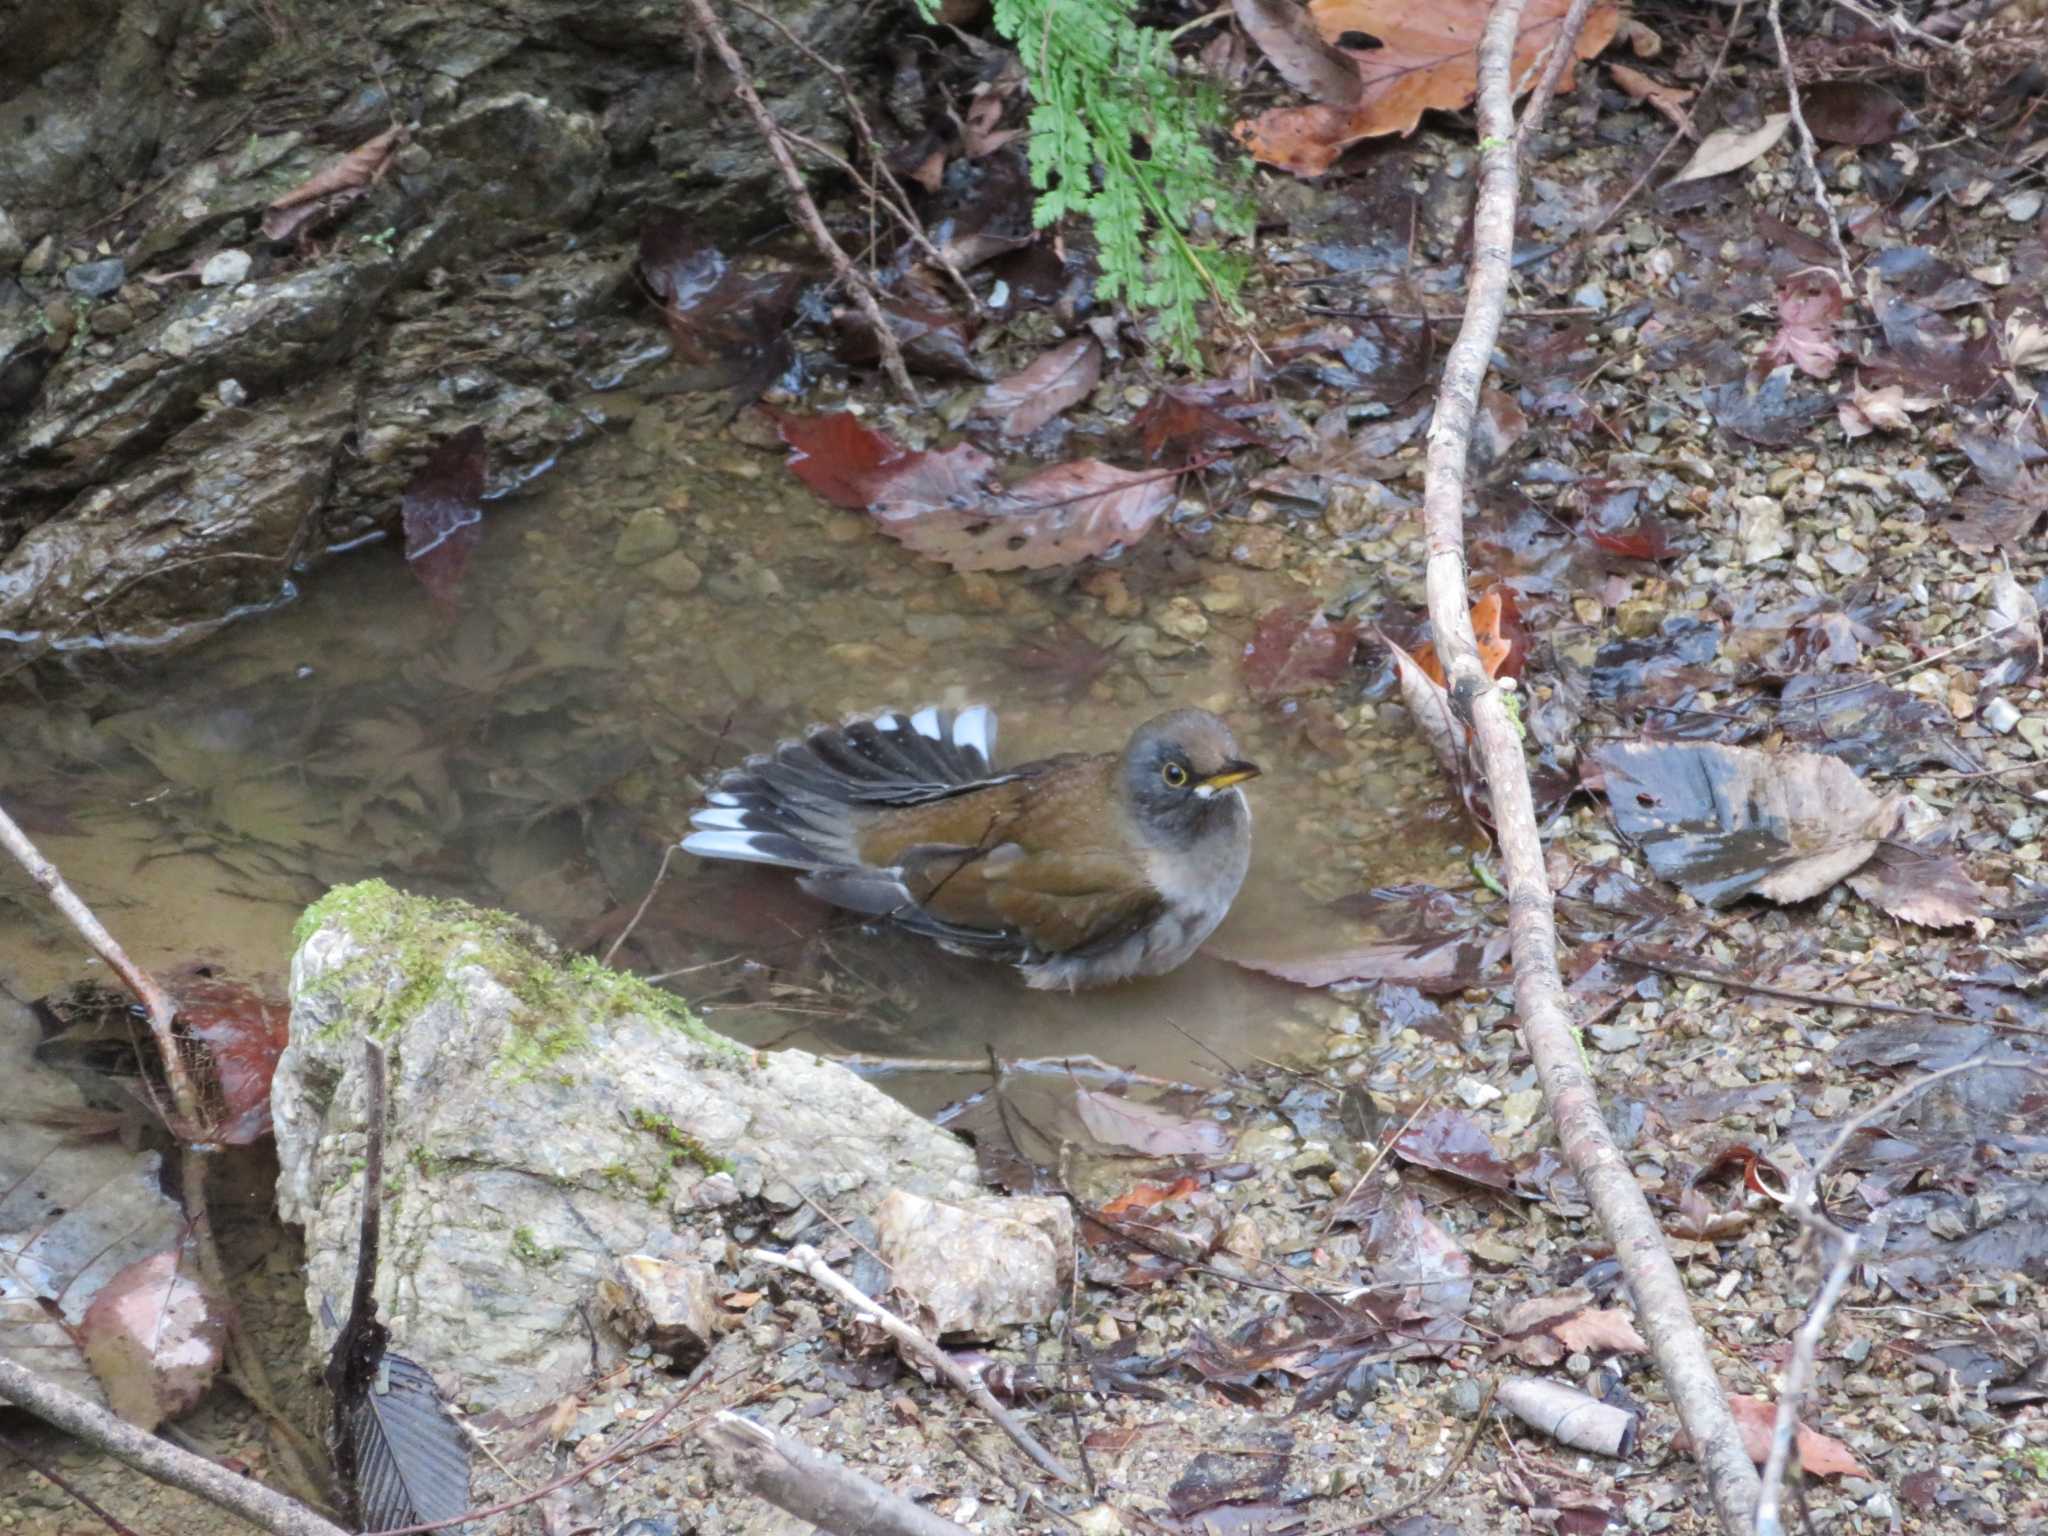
pixel 1146 1194
pixel 1428 60
pixel 1820 1455
pixel 1502 644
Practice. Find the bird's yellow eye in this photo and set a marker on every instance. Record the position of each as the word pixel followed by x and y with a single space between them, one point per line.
pixel 1176 776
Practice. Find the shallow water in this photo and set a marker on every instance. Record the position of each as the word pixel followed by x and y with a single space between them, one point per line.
pixel 540 748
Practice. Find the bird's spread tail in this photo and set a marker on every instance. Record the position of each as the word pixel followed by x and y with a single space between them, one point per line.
pixel 796 806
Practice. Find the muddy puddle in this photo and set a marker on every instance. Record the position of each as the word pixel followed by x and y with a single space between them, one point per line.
pixel 668 600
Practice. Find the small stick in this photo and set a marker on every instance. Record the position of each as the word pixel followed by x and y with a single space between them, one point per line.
pixel 640 911
pixel 899 203
pixel 1818 999
pixel 1562 54
pixel 806 211
pixel 1678 135
pixel 157 1458
pixel 806 1260
pixel 1808 150
pixel 1024 1066
pixel 793 1477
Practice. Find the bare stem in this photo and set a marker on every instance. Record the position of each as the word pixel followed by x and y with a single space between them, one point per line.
pixel 800 199
pixel 1540 1000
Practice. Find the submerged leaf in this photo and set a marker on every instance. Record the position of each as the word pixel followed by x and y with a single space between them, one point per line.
pixel 155 1336
pixel 443 510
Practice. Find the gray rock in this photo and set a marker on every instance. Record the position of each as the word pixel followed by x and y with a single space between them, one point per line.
pixel 223 269
pixel 977 1267
pixel 503 170
pixel 677 572
pixel 1925 485
pixel 118 560
pixel 112 319
pixel 670 1304
pixel 543 1115
pixel 12 246
pixel 97 279
pixel 648 535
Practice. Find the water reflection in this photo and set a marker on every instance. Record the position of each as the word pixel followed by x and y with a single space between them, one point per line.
pixel 665 603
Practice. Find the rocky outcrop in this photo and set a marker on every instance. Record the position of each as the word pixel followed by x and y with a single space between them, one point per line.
pixel 559 1137
pixel 151 335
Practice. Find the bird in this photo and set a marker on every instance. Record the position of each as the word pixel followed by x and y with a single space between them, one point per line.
pixel 1081 870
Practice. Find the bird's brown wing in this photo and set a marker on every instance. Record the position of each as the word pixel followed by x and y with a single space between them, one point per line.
pixel 1044 859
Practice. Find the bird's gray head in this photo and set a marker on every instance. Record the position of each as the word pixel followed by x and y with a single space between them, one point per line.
pixel 1181 772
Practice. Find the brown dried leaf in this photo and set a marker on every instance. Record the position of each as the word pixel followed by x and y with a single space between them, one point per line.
pixel 1305 59
pixel 1918 883
pixel 1667 99
pixel 340 180
pixel 1819 1455
pixel 1032 396
pixel 1058 516
pixel 1120 1122
pixel 1809 304
pixel 1427 60
pixel 1888 409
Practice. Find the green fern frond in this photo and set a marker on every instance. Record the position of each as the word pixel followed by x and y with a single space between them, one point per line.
pixel 1121 139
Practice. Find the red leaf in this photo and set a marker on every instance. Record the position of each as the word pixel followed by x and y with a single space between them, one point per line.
pixel 244 1034
pixel 1293 649
pixel 1031 397
pixel 443 514
pixel 1175 419
pixel 845 462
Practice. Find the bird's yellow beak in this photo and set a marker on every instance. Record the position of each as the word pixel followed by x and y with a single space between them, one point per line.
pixel 1230 775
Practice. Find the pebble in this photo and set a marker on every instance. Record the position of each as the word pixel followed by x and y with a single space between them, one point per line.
pixel 1476 1092
pixel 37 261
pixel 677 572
pixel 97 279
pixel 1761 526
pixel 111 319
pixel 2000 715
pixel 648 535
pixel 1924 484
pixel 1184 620
pixel 224 269
pixel 1261 548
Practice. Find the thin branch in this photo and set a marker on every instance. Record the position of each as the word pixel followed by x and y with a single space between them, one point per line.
pixel 1563 53
pixel 1808 150
pixel 806 1260
pixel 159 1459
pixel 896 200
pixel 640 911
pixel 800 198
pixel 49 1474
pixel 1660 1297
pixel 793 1477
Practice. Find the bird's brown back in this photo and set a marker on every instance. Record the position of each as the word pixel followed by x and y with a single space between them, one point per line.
pixel 1050 855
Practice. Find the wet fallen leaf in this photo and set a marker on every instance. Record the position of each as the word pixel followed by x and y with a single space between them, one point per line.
pixel 717 314
pixel 1427 60
pixel 1809 305
pixel 1304 58
pixel 1857 112
pixel 1931 352
pixel 1819 1455
pixel 1919 883
pixel 1058 516
pixel 154 1337
pixel 935 340
pixel 1295 649
pixel 2006 503
pixel 244 1034
pixel 1764 411
pixel 1179 420
pixel 1032 396
pixel 442 511
pixel 1730 149
pixel 1451 1141
pixel 1145 1194
pixel 1726 822
pixel 1414 936
pixel 332 187
pixel 1543 1329
pixel 1117 1121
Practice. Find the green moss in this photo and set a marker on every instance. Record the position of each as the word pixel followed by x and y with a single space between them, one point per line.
pixel 414 946
pixel 529 1250
pixel 682 1146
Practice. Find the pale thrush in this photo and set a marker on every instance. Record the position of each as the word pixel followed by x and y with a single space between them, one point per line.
pixel 1079 870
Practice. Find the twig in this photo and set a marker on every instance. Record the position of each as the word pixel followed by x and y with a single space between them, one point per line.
pixel 899 202
pixel 1804 1203
pixel 793 1477
pixel 1906 666
pixel 1563 53
pixel 800 198
pixel 189 1125
pixel 1026 1066
pixel 1540 1000
pixel 640 911
pixel 20 1453
pixel 1650 962
pixel 806 1260
pixel 1436 1485
pixel 158 1458
pixel 1808 150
